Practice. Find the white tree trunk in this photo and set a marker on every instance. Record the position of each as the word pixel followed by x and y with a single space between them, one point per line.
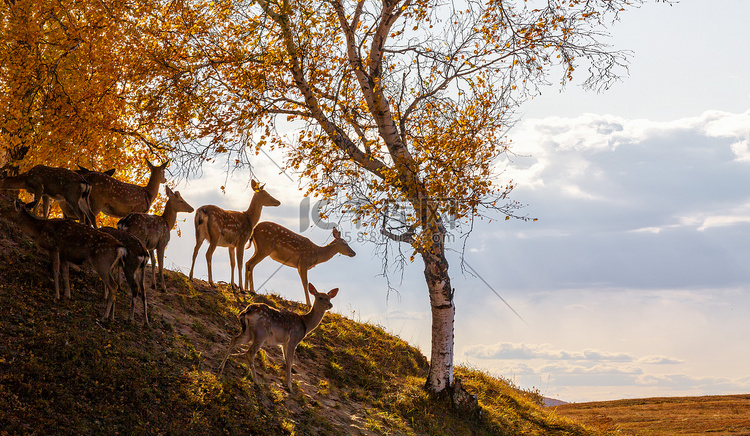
pixel 440 376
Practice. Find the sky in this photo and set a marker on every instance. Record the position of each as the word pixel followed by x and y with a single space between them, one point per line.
pixel 634 280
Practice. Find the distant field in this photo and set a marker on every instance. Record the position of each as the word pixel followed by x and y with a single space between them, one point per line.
pixel 713 415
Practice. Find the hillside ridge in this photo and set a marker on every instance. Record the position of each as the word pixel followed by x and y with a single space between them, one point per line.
pixel 63 370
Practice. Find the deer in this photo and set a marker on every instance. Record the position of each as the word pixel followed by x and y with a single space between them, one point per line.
pixel 262 324
pixel 61 184
pixel 118 199
pixel 231 229
pixel 133 266
pixel 291 249
pixel 70 242
pixel 154 230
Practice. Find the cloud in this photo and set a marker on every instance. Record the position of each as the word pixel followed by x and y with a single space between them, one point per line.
pixel 507 350
pixel 683 381
pixel 659 360
pixel 400 314
pixel 632 200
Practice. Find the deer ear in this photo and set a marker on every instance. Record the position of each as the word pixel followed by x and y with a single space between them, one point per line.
pixel 336 233
pixel 164 165
pixel 169 192
pixel 312 289
pixel 254 185
pixel 150 165
pixel 332 293
pixel 110 172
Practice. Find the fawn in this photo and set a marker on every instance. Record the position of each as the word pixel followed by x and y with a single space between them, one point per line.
pixel 155 230
pixel 264 324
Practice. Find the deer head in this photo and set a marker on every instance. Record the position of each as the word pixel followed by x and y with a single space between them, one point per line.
pixel 341 245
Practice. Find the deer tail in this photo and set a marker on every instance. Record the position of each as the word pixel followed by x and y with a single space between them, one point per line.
pixel 200 217
pixel 250 239
pixel 85 190
pixel 124 223
pixel 121 253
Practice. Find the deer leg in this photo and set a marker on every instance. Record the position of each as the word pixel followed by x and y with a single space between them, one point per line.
pixel 303 276
pixel 209 256
pixel 109 311
pixel 131 276
pixel 288 350
pixel 113 288
pixel 105 268
pixel 160 256
pixel 75 206
pixel 198 243
pixel 153 268
pixel 250 355
pixel 231 265
pixel 244 337
pixel 240 250
pixel 55 255
pixel 66 277
pixel 87 216
pixel 142 291
pixel 66 209
pixel 45 206
pixel 249 266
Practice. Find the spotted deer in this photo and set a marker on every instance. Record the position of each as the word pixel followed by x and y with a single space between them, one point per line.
pixel 231 229
pixel 67 211
pixel 291 249
pixel 69 242
pixel 117 199
pixel 154 230
pixel 262 324
pixel 60 184
pixel 133 266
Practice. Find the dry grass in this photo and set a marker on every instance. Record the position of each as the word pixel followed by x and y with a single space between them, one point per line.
pixel 715 415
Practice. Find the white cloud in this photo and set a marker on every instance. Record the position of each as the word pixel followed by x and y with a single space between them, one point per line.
pixel 659 360
pixel 683 381
pixel 400 314
pixel 507 350
pixel 741 149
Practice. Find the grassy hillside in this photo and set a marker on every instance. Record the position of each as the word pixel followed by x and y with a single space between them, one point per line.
pixel 62 371
pixel 685 416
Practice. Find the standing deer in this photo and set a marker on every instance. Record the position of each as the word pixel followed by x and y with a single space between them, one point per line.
pixel 263 324
pixel 60 184
pixel 154 230
pixel 71 242
pixel 227 228
pixel 291 249
pixel 134 265
pixel 116 198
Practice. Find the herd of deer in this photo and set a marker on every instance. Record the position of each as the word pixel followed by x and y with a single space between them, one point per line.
pixel 83 194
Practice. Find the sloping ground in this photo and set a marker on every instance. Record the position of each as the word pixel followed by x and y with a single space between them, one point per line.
pixel 62 371
pixel 715 415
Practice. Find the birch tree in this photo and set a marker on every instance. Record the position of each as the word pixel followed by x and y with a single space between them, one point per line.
pixel 400 102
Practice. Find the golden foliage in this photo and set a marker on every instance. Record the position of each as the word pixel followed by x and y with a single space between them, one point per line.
pixel 373 102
